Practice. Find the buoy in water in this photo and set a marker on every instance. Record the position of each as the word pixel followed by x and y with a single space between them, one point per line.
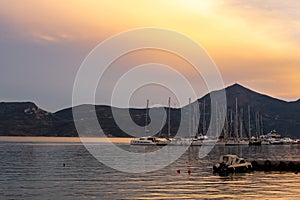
pixel 189 172
pixel 64 164
pixel 178 171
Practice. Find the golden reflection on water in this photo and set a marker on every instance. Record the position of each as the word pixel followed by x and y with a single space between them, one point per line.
pixel 36 166
pixel 62 139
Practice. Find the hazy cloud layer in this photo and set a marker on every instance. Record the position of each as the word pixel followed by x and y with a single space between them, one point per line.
pixel 43 43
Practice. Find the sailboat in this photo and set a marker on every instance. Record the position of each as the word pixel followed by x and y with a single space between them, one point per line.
pixel 166 140
pixel 236 140
pixel 193 139
pixel 253 140
pixel 196 140
pixel 203 139
pixel 185 141
pixel 149 140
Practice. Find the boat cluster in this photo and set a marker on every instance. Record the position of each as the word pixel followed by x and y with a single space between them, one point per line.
pixel 233 132
pixel 272 138
pixel 160 141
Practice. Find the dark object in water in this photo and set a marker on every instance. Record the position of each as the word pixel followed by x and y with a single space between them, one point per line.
pixel 232 163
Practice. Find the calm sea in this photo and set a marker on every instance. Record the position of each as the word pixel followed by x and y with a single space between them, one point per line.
pixel 36 171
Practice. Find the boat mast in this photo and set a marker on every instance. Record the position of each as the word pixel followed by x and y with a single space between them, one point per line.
pixel 217 119
pixel 241 122
pixel 262 125
pixel 226 126
pixel 249 122
pixel 204 120
pixel 236 120
pixel 231 124
pixel 169 118
pixel 190 118
pixel 146 121
pixel 196 119
pixel 257 124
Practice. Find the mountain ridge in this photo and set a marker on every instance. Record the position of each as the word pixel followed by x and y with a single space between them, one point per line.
pixel 27 119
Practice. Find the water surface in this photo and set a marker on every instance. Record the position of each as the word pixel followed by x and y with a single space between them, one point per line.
pixel 36 171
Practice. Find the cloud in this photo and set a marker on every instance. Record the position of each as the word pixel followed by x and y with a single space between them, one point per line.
pixel 279 17
pixel 253 42
pixel 45 37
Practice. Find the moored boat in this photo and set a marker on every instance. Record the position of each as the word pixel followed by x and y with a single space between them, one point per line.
pixel 231 163
pixel 163 141
pixel 255 141
pixel 150 140
pixel 296 141
pixel 145 141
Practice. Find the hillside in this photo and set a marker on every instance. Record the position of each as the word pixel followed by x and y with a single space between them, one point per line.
pixel 26 119
pixel 276 114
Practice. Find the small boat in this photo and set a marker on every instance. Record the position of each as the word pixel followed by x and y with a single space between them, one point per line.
pixel 196 142
pixel 275 141
pixel 265 142
pixel 145 141
pixel 151 141
pixel 286 140
pixel 297 141
pixel 163 141
pixel 254 141
pixel 231 163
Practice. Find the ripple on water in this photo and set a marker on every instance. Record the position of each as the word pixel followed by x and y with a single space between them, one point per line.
pixel 37 172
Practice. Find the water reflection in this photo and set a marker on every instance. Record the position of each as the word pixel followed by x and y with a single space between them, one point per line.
pixel 36 171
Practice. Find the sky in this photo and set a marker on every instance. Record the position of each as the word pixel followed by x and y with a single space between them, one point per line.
pixel 43 43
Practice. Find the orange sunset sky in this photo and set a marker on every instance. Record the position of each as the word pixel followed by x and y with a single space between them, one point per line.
pixel 43 42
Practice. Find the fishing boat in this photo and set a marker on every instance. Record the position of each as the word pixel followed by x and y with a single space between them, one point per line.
pixel 231 163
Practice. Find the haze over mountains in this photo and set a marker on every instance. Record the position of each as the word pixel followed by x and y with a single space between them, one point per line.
pixel 26 119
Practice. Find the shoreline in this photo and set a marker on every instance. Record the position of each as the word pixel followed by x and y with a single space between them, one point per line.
pixel 44 139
